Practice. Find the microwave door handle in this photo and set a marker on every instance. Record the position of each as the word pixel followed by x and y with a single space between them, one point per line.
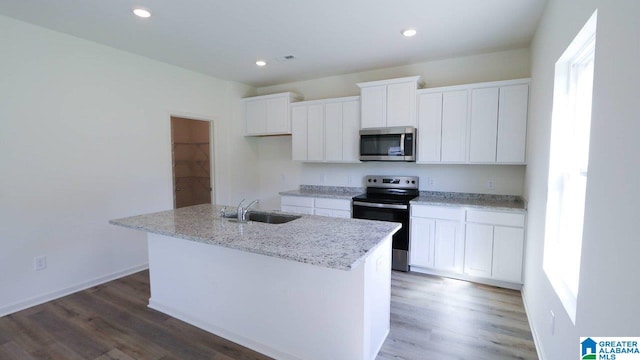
pixel 402 143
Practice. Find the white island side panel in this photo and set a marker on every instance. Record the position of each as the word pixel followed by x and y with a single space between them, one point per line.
pixel 281 308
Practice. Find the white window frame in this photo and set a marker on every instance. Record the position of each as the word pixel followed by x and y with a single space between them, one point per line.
pixel 568 165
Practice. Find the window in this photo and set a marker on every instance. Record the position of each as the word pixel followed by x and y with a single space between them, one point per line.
pixel 569 164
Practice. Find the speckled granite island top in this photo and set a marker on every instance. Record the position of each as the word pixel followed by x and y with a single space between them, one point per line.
pixel 486 201
pixel 329 242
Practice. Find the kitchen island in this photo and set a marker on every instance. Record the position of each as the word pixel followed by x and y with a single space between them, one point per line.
pixel 312 288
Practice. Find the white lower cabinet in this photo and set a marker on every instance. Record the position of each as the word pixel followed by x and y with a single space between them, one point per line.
pixel 437 240
pixel 478 250
pixel 297 204
pixel 494 245
pixel 340 208
pixel 333 207
pixel 467 243
pixel 508 247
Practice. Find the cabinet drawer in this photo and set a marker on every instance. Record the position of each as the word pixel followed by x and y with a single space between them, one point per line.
pixel 437 212
pixel 333 213
pixel 297 209
pixel 495 218
pixel 336 204
pixel 297 201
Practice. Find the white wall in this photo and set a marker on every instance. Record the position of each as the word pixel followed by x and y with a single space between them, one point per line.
pixel 84 138
pixel 503 65
pixel 278 173
pixel 608 295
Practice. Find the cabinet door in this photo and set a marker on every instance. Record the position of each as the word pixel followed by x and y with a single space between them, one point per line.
pixel 278 116
pixel 422 237
pixel 478 251
pixel 508 245
pixel 448 246
pixel 256 116
pixel 429 127
pixel 299 133
pixel 315 132
pixel 351 131
pixel 483 125
pixel 454 126
pixel 401 104
pixel 512 123
pixel 374 106
pixel 333 131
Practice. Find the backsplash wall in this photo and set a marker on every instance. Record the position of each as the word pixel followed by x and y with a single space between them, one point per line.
pixel 279 173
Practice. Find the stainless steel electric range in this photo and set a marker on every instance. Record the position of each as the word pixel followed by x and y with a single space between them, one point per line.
pixel 387 199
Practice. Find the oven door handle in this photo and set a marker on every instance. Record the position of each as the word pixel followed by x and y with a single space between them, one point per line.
pixel 380 206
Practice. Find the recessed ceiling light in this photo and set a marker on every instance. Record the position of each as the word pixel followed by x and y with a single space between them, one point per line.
pixel 261 63
pixel 143 13
pixel 409 32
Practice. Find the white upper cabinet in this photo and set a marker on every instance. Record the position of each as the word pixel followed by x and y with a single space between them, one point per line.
pixel 326 130
pixel 442 126
pixel 269 114
pixel 498 124
pixel 484 125
pixel 429 127
pixel 299 133
pixel 374 106
pixel 351 131
pixel 389 103
pixel 475 123
pixel 454 126
pixel 333 131
pixel 512 124
pixel 315 132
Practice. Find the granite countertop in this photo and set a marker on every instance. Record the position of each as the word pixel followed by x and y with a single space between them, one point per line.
pixel 486 201
pixel 329 242
pixel 330 192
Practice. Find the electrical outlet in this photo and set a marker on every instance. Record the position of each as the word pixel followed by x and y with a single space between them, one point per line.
pixel 350 179
pixel 491 185
pixel 431 181
pixel 552 323
pixel 39 263
pixel 323 179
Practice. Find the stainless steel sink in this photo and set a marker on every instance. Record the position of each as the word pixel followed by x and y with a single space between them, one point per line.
pixel 268 218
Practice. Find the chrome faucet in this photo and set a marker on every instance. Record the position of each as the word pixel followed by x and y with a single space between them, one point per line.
pixel 242 212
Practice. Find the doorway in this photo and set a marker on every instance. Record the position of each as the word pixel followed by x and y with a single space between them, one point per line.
pixel 191 159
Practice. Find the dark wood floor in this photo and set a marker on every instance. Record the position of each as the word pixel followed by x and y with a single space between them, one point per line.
pixel 431 318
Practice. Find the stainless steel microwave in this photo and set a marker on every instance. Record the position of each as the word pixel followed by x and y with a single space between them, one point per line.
pixel 388 144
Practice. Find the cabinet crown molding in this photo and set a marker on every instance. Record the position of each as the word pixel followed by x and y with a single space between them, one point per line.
pixel 415 79
pixel 291 95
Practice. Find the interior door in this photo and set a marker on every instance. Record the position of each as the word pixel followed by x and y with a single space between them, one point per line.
pixel 190 143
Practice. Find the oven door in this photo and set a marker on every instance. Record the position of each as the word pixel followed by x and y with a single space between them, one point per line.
pixel 393 213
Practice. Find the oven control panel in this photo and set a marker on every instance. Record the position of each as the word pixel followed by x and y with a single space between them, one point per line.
pixel 395 182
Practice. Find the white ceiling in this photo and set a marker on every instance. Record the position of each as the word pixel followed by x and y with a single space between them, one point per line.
pixel 327 37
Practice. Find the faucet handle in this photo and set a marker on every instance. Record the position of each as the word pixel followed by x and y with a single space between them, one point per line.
pixel 223 212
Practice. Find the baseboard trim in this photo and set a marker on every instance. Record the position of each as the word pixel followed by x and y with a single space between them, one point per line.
pixel 37 300
pixel 465 277
pixel 536 339
pixel 225 334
